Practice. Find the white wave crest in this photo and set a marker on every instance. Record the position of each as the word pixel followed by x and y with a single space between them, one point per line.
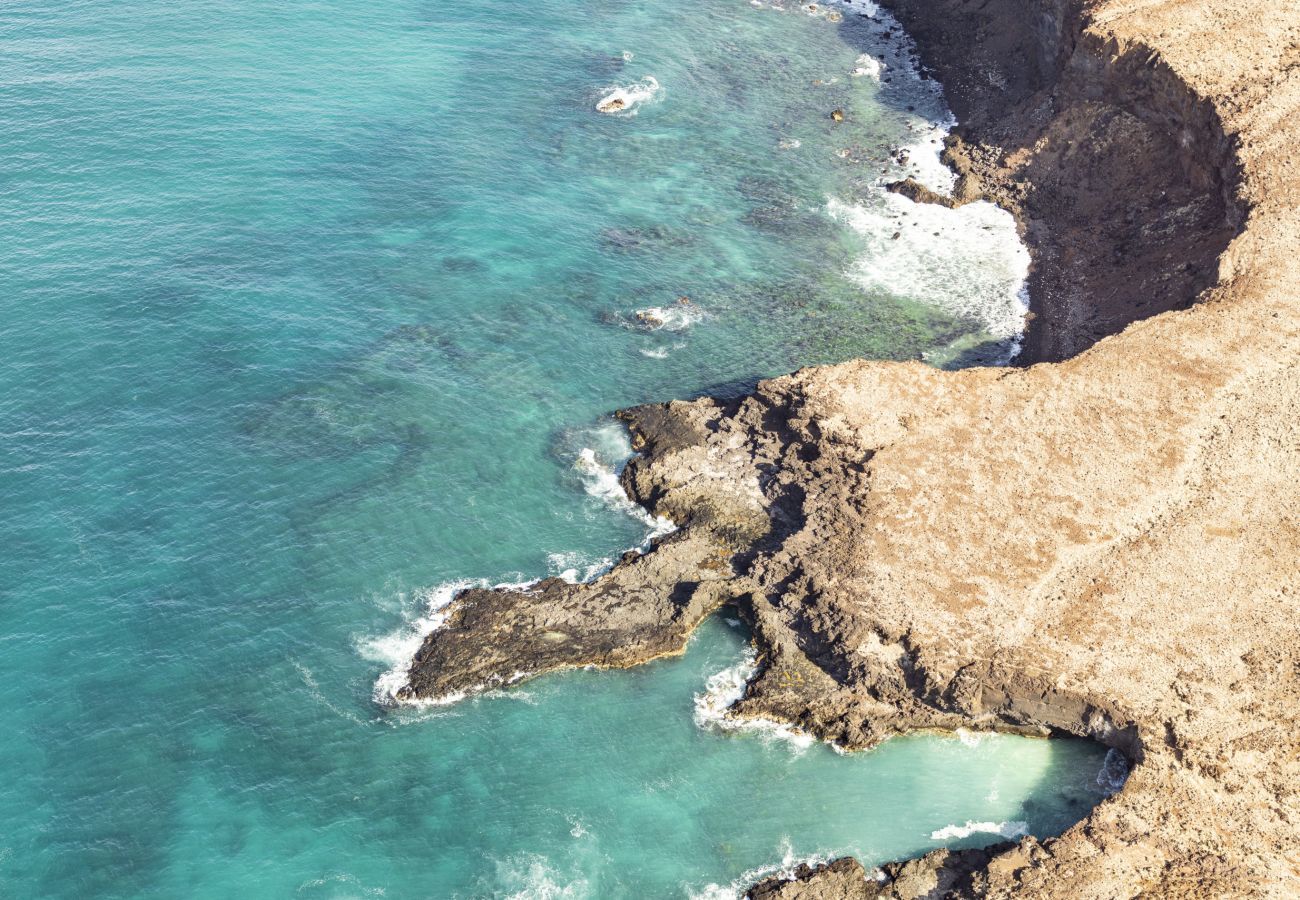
pixel 967 261
pixel 398 648
pixel 576 568
pixel 723 689
pixel 599 464
pixel 1009 830
pixel 972 738
pixel 626 100
pixel 785 869
pixel 668 318
pixel 867 66
pixel 531 876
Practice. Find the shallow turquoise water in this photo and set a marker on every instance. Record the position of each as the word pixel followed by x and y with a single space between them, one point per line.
pixel 308 308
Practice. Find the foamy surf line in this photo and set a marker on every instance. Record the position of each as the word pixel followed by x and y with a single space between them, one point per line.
pixel 626 100
pixel 598 467
pixel 600 461
pixel 785 870
pixel 1009 830
pixel 398 648
pixel 721 692
pixel 967 261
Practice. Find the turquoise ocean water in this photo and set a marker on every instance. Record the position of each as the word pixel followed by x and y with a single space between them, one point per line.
pixel 307 311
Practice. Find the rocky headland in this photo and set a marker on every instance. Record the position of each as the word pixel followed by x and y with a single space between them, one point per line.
pixel 1102 542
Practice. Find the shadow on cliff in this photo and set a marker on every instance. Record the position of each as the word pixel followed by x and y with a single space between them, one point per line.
pixel 1124 185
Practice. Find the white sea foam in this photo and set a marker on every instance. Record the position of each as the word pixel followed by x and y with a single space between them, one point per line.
pixel 866 7
pixel 576 568
pixel 1009 830
pixel 576 828
pixel 972 738
pixel 677 317
pixel 922 159
pixel 662 351
pixel 398 648
pixel 723 689
pixel 784 869
pixel 531 876
pixel 867 67
pixel 341 881
pixel 626 100
pixel 930 121
pixel 823 11
pixel 966 261
pixel 599 464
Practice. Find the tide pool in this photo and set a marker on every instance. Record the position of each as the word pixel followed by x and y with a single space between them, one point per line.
pixel 309 308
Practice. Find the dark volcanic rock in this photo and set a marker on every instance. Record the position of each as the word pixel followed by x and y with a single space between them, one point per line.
pixel 645 608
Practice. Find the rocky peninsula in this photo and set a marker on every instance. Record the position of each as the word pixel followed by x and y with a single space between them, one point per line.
pixel 1102 542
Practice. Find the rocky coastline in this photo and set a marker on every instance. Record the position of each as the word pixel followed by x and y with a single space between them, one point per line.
pixel 1102 542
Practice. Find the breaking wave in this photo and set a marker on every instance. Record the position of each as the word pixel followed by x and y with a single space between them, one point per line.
pixel 967 261
pixel 1009 830
pixel 531 876
pixel 785 869
pixel 598 467
pixel 398 648
pixel 603 452
pixel 626 100
pixel 723 689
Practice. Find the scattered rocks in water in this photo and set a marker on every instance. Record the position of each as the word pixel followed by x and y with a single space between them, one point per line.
pixel 668 318
pixel 837 115
pixel 856 153
pixel 627 98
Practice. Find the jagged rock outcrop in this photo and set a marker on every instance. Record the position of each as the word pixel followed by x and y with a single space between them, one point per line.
pixel 1107 545
pixel 939 873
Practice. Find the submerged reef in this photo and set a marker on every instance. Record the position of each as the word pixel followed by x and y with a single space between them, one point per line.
pixel 1103 542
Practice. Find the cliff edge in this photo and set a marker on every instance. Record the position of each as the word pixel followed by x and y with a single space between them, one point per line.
pixel 1105 543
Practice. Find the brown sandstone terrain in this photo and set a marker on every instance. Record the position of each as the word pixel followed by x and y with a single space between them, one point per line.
pixel 1105 543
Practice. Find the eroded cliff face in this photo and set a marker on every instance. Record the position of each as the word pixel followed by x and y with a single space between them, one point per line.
pixel 1118 171
pixel 1107 546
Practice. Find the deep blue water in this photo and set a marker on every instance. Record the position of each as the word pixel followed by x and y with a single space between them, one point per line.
pixel 307 309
